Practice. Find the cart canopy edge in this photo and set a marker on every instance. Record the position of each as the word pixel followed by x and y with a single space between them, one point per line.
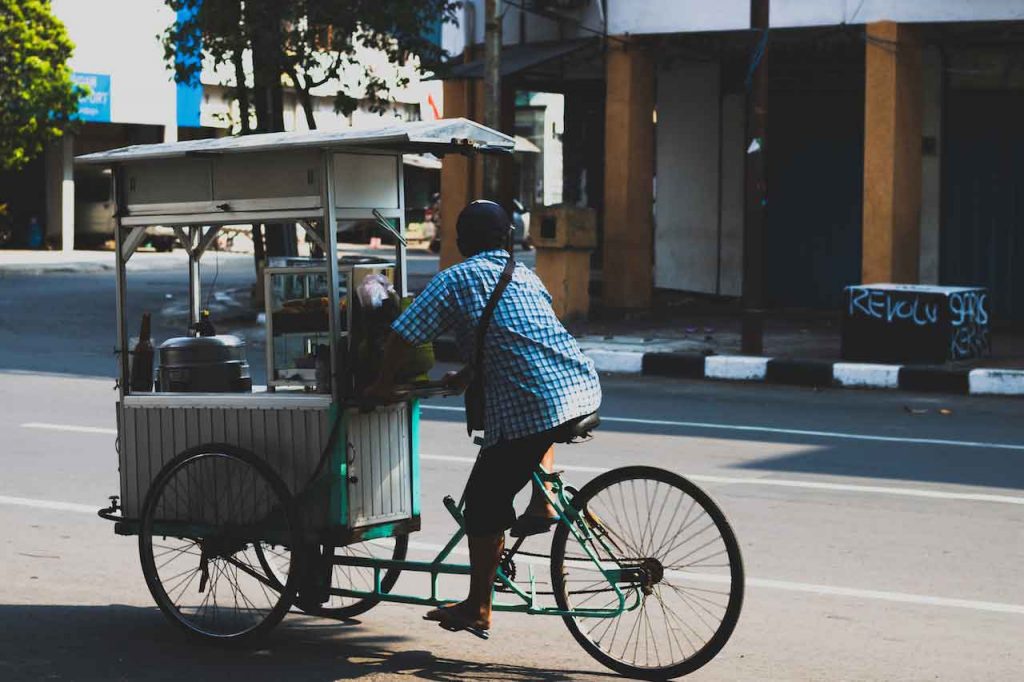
pixel 438 137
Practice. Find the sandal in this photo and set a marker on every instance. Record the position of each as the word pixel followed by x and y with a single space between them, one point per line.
pixel 452 621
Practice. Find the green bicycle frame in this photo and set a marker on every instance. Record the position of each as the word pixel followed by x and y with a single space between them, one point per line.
pixel 578 526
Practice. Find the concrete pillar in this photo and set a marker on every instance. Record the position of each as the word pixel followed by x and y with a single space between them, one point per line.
pixel 461 177
pixel 892 154
pixel 629 176
pixel 67 193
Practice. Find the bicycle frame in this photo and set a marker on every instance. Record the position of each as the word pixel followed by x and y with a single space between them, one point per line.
pixel 578 526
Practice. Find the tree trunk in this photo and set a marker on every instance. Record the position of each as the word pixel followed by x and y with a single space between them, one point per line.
pixel 268 95
pixel 307 106
pixel 241 92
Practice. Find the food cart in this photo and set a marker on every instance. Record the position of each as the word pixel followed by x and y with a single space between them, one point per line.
pixel 249 501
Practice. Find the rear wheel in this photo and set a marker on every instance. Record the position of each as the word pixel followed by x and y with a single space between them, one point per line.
pixel 277 559
pixel 680 567
pixel 209 515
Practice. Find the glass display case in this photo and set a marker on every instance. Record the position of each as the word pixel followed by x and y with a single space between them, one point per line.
pixel 297 324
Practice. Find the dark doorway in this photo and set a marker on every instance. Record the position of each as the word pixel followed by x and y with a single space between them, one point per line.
pixel 982 232
pixel 815 181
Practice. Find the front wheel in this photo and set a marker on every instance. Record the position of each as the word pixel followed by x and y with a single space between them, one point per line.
pixel 679 570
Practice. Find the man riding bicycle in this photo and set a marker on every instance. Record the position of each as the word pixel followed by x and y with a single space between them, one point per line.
pixel 536 381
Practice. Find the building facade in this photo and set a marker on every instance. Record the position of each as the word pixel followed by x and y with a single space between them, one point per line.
pixel 119 55
pixel 893 146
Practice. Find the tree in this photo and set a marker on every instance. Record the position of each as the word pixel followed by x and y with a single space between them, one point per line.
pixel 37 97
pixel 306 44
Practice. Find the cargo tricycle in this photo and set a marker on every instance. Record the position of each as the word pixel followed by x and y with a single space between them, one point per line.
pixel 298 495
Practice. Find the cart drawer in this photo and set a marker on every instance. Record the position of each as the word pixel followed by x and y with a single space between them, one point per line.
pixel 380 462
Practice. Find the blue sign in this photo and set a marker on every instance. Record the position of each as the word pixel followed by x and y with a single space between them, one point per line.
pixel 190 95
pixel 96 105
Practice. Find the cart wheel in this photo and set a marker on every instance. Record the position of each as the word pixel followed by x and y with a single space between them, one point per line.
pixel 338 607
pixel 207 518
pixel 680 567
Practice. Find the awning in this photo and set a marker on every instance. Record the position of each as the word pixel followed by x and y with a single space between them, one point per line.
pixel 436 137
pixel 518 58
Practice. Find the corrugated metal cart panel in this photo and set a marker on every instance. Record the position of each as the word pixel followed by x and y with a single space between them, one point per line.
pixel 155 429
pixel 380 463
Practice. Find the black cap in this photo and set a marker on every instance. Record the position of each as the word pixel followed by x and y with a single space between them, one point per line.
pixel 483 225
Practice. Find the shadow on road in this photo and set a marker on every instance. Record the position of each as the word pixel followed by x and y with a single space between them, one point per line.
pixel 897 461
pixel 960 466
pixel 119 642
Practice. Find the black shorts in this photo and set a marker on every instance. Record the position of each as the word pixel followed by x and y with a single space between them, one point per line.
pixel 500 473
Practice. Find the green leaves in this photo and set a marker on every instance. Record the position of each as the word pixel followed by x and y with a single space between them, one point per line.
pixel 315 41
pixel 37 97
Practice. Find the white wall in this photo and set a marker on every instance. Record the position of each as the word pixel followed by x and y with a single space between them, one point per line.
pixel 536 28
pixel 825 12
pixel 675 16
pixel 679 16
pixel 119 38
pixel 686 208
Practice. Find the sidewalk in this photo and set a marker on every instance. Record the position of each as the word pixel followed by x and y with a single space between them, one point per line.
pixel 679 338
pixel 27 262
pixel 799 349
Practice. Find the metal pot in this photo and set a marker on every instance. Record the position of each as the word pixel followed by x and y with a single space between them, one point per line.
pixel 204 364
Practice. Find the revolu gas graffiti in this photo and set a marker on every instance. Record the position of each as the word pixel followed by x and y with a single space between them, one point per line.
pixel 915 323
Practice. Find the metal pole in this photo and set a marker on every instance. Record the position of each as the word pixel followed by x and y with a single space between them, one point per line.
pixel 194 283
pixel 402 261
pixel 755 187
pixel 330 223
pixel 492 93
pixel 121 285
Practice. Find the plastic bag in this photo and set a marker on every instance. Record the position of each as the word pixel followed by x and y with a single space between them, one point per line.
pixel 374 290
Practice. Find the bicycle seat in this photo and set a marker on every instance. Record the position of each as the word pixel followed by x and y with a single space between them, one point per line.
pixel 578 429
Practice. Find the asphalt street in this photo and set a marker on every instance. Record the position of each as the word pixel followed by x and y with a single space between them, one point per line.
pixel 882 532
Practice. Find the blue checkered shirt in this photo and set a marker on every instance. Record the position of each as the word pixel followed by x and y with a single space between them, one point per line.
pixel 535 375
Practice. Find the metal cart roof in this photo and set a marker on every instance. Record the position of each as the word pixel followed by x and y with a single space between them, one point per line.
pixel 437 137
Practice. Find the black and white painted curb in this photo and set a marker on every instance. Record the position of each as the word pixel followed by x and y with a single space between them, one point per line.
pixel 816 373
pixel 821 373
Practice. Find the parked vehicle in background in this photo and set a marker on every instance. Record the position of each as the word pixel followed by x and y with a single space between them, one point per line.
pixel 94 208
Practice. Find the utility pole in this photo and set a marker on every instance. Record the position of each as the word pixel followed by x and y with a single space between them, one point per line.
pixel 755 206
pixel 492 93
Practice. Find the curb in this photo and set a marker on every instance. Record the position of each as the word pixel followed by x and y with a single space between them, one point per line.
pixel 812 373
pixel 82 268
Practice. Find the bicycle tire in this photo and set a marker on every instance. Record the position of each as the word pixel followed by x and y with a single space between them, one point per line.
pixel 732 609
pixel 279 504
pixel 358 607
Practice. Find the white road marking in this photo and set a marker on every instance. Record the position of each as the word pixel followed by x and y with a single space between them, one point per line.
pixel 700 478
pixel 790 432
pixel 69 427
pixel 790 586
pixel 786 483
pixel 49 504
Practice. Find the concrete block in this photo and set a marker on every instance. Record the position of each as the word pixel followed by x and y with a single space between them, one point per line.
pixel 736 367
pixel 621 361
pixel 865 375
pixel 996 382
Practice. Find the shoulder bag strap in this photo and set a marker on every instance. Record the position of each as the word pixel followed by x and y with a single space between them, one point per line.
pixel 485 318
